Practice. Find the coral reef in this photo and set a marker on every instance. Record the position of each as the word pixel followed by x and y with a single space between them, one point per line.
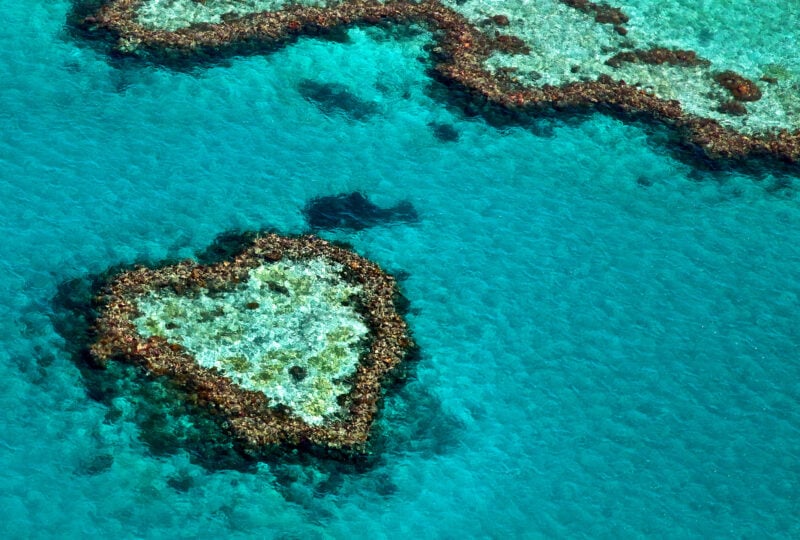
pixel 289 341
pixel 741 89
pixel 658 56
pixel 473 58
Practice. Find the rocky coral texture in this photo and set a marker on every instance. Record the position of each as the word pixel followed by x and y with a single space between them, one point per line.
pixel 527 68
pixel 740 88
pixel 290 340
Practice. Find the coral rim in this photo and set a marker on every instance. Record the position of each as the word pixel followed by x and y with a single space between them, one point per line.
pixel 251 418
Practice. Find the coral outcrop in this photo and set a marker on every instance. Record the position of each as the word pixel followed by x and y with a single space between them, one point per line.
pixel 289 341
pixel 658 56
pixel 741 89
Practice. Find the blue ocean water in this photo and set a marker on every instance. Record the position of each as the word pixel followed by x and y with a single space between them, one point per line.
pixel 609 335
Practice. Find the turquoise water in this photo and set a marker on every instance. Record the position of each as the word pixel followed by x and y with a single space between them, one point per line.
pixel 609 335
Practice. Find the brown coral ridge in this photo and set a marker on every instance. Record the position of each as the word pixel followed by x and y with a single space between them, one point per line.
pixel 602 13
pixel 741 89
pixel 658 56
pixel 460 51
pixel 511 45
pixel 252 420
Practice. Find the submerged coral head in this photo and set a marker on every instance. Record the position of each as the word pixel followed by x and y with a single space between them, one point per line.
pixel 355 211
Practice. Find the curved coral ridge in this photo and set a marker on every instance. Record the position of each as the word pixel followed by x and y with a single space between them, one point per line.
pixel 510 61
pixel 290 340
pixel 593 47
pixel 287 315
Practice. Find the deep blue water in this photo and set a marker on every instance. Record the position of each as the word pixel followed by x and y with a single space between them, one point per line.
pixel 609 336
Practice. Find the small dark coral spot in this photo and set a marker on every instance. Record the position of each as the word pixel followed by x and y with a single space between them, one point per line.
pixel 97 465
pixel 401 275
pixel 444 132
pixel 500 20
pixel 511 44
pixel 181 483
pixel 733 108
pixel 298 373
pixel 278 288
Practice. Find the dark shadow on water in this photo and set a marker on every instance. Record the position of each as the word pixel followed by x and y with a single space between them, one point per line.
pixel 97 464
pixel 444 132
pixel 225 246
pixel 354 211
pixel 332 98
pixel 414 423
pixel 412 426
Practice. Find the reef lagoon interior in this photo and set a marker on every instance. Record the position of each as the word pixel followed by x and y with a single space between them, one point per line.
pixel 608 328
pixel 289 331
